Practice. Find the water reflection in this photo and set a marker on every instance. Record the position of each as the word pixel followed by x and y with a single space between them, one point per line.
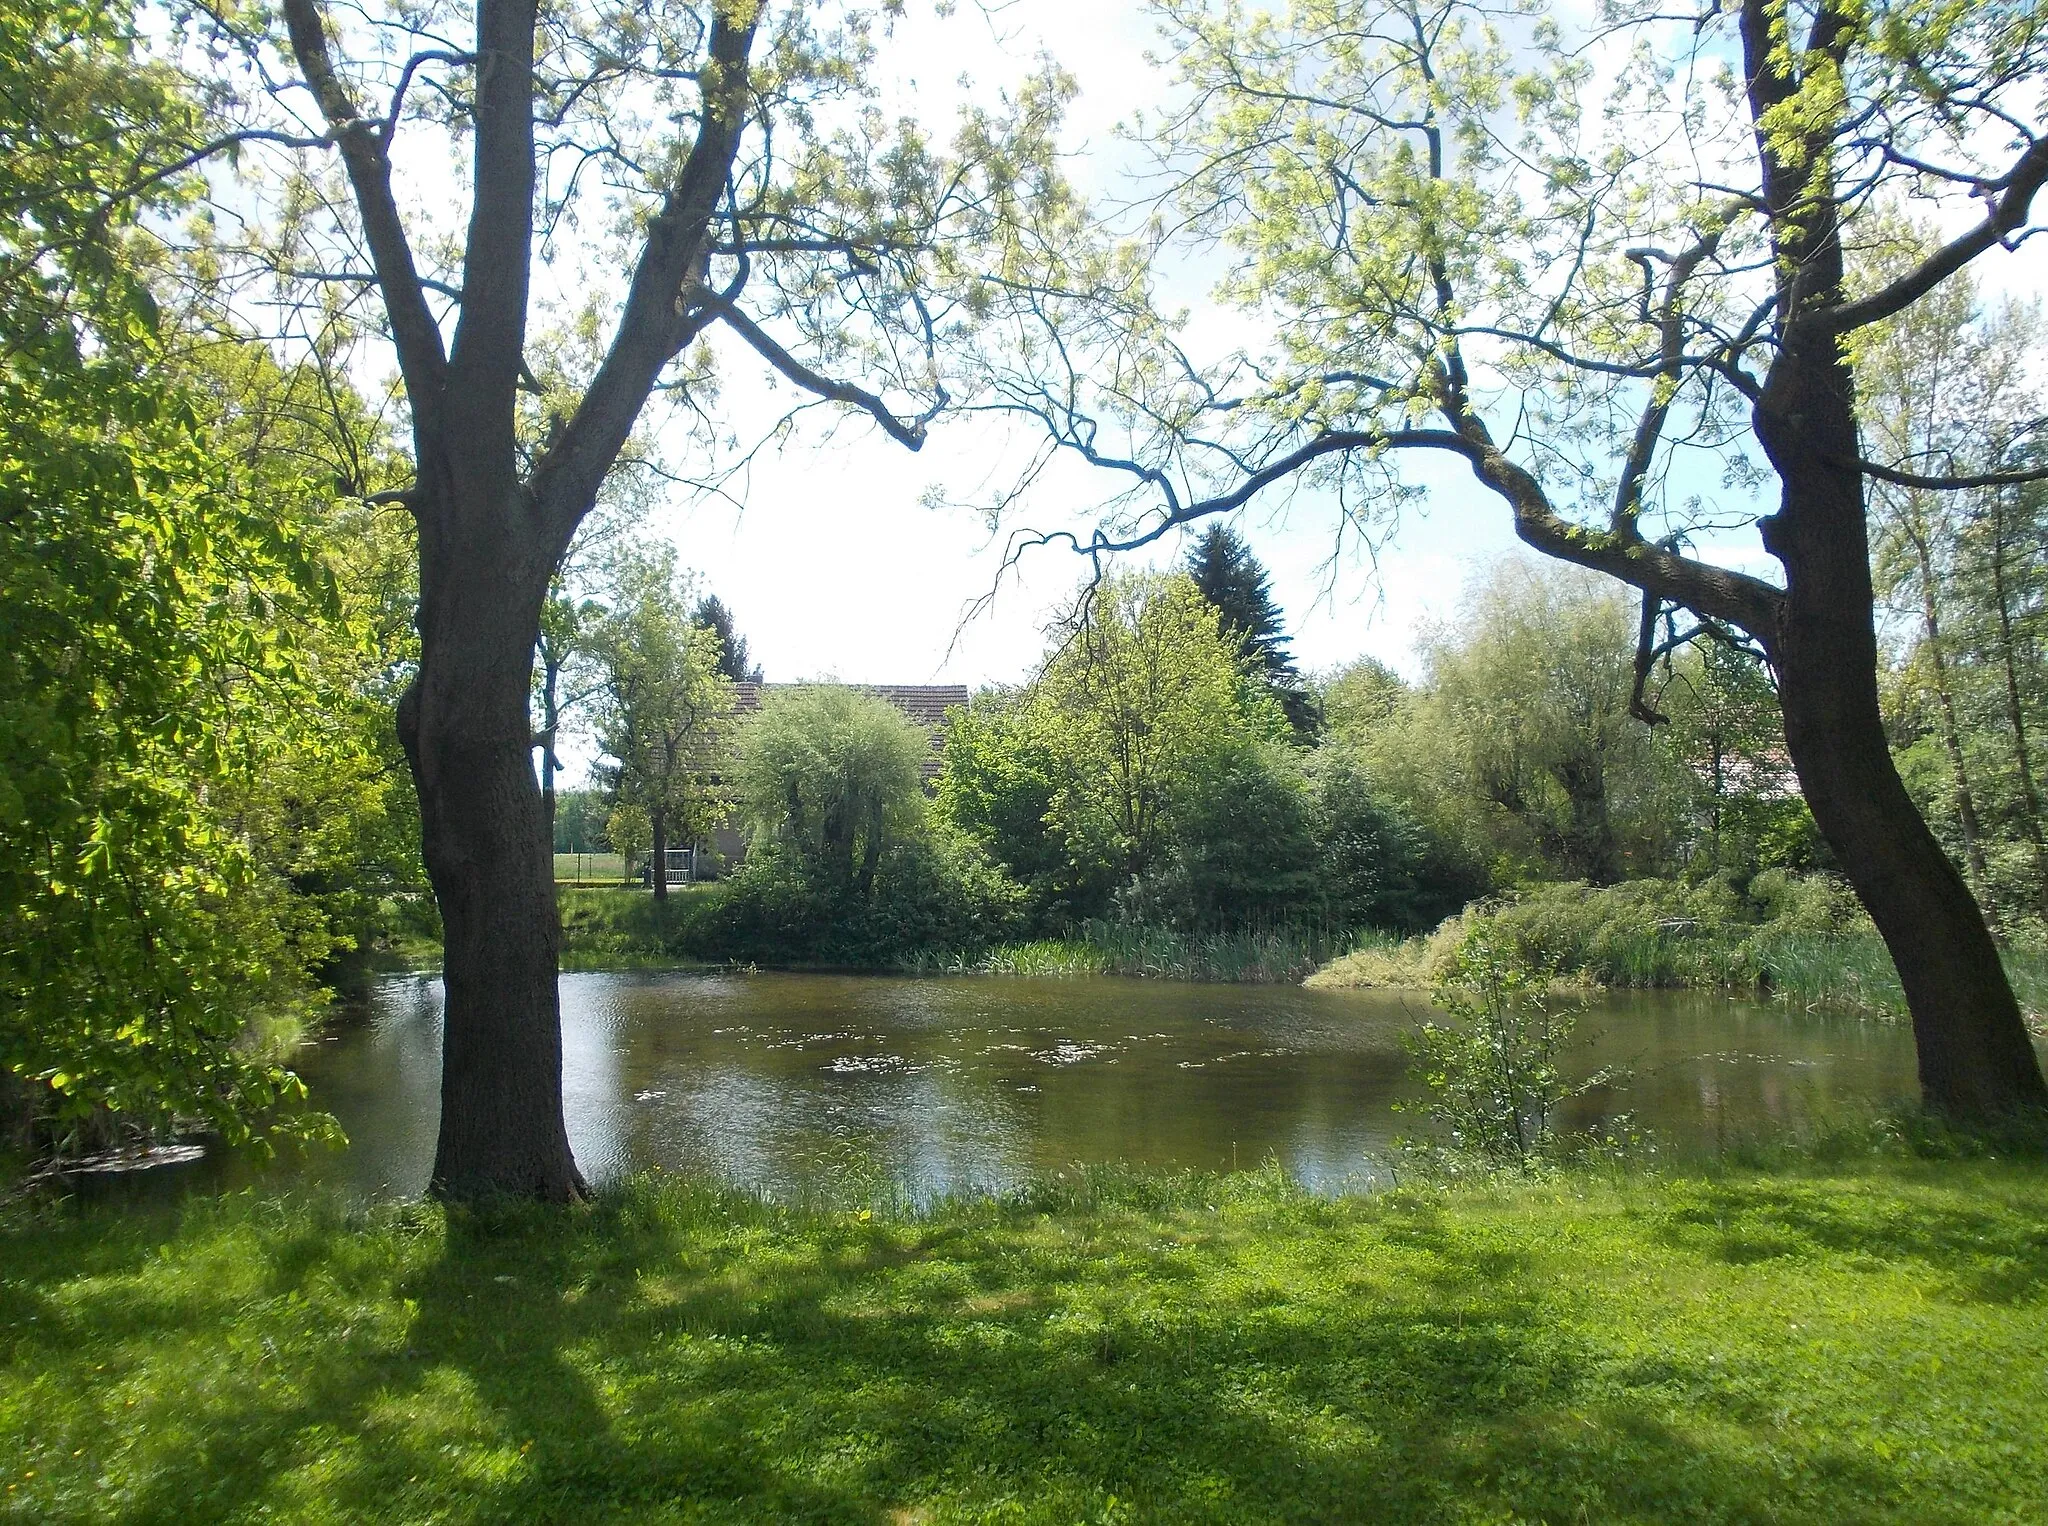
pixel 775 1080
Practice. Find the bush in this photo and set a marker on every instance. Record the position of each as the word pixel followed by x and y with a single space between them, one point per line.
pixel 932 892
pixel 1380 866
pixel 1493 1079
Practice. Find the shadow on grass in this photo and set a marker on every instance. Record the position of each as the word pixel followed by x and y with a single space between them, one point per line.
pixel 678 1355
pixel 1980 1252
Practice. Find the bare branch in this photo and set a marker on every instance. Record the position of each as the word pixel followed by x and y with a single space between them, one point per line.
pixel 658 319
pixel 909 432
pixel 1948 483
pixel 421 358
pixel 2007 215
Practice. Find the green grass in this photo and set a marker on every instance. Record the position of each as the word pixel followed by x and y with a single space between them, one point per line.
pixel 1862 1342
pixel 589 868
pixel 628 928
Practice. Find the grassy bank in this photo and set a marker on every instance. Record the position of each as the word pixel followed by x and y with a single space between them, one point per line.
pixel 628 928
pixel 1282 955
pixel 1802 945
pixel 1867 1344
pixel 612 929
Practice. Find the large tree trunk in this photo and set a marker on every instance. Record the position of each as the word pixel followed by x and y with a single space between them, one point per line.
pixel 468 733
pixel 657 873
pixel 1975 1057
pixel 1589 847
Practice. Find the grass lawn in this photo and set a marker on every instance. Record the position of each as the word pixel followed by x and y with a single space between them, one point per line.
pixel 1858 1343
pixel 589 869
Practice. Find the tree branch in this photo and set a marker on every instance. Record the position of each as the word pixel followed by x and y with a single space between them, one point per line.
pixel 490 336
pixel 909 433
pixel 2007 215
pixel 1951 483
pixel 417 337
pixel 657 320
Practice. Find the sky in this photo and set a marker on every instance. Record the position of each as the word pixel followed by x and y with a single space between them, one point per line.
pixel 834 569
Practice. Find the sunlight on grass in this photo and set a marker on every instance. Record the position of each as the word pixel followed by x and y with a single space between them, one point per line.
pixel 1866 1344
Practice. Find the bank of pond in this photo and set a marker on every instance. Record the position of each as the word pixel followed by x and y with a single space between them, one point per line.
pixel 1800 941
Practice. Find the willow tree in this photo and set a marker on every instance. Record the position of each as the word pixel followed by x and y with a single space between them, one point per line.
pixel 1620 276
pixel 757 193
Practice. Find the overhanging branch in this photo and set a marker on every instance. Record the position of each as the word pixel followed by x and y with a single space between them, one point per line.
pixel 906 432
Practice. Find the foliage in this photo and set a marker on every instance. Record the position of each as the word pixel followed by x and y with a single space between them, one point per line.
pixel 1857 1341
pixel 665 710
pixel 1380 866
pixel 1494 1081
pixel 628 830
pixel 1143 763
pixel 1966 574
pixel 1242 850
pixel 580 821
pixel 1531 689
pixel 831 775
pixel 1724 728
pixel 1004 764
pixel 1800 939
pixel 1359 698
pixel 194 814
pixel 1148 701
pixel 733 660
pixel 846 864
pixel 931 890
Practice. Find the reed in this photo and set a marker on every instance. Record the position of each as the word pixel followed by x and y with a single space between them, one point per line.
pixel 1807 949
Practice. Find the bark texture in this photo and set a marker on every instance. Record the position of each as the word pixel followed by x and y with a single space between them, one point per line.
pixel 490 539
pixel 467 734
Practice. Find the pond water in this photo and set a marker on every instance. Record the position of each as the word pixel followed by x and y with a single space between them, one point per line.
pixel 779 1081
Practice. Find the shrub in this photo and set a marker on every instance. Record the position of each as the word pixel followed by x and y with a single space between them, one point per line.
pixel 1494 1081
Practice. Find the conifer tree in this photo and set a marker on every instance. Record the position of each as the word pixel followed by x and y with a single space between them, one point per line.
pixel 1234 582
pixel 712 615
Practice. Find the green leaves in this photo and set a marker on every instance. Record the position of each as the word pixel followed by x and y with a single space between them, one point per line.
pixel 173 648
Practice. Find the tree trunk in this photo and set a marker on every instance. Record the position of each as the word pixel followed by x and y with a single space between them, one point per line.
pixel 657 871
pixel 1590 849
pixel 467 731
pixel 1974 1054
pixel 550 717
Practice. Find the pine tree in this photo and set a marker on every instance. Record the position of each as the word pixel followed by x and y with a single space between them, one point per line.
pixel 712 615
pixel 1234 583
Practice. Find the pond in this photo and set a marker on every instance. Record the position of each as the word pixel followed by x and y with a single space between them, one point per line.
pixel 786 1081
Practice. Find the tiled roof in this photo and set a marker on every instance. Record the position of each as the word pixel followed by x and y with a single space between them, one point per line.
pixel 925 704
